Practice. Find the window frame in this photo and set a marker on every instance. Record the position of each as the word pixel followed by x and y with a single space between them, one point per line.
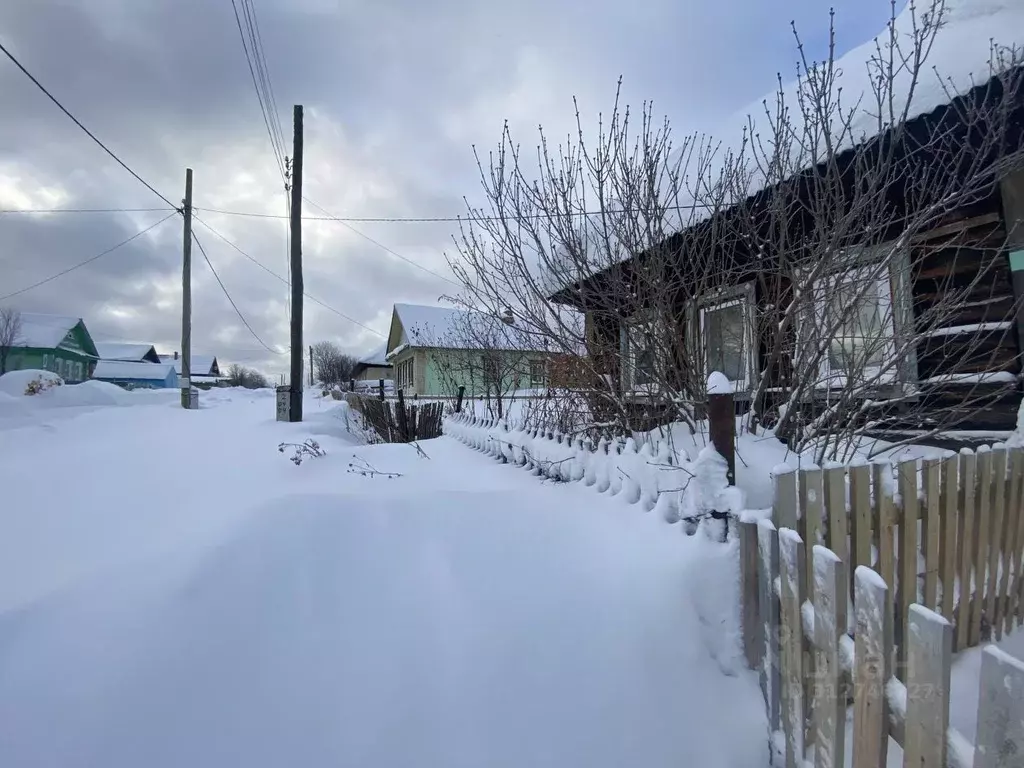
pixel 627 375
pixel 895 295
pixel 741 295
pixel 540 383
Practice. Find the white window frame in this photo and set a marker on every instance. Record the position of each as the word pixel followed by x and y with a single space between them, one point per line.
pixel 741 296
pixel 646 319
pixel 895 304
pixel 540 383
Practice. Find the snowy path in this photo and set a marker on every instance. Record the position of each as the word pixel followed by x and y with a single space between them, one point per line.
pixel 264 614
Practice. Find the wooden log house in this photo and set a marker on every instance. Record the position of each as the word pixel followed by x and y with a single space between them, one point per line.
pixel 973 251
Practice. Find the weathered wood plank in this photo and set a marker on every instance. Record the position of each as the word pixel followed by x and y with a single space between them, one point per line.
pixel 860 516
pixel 768 566
pixel 1016 515
pixel 965 545
pixel 886 513
pixel 792 561
pixel 830 606
pixel 873 668
pixel 947 571
pixel 907 588
pixel 998 563
pixel 835 512
pixel 785 511
pixel 752 642
pixel 932 530
pixel 929 660
pixel 812 497
pixel 982 514
pixel 1000 739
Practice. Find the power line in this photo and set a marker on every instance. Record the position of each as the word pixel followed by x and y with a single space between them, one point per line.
pixel 269 271
pixel 270 119
pixel 231 300
pixel 76 121
pixel 381 245
pixel 90 260
pixel 82 210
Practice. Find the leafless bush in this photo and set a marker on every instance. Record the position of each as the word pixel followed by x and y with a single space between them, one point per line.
pixel 830 261
pixel 10 334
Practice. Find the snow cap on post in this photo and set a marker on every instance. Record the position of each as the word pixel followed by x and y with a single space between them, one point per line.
pixel 719 384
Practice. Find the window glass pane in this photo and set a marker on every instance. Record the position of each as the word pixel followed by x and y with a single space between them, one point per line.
pixel 642 348
pixel 723 340
pixel 855 312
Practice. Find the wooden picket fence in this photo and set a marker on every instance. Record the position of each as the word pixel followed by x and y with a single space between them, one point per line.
pixel 399 421
pixel 932 526
pixel 931 553
pixel 811 668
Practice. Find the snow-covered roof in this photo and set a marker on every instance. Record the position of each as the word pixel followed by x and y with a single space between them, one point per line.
pixel 115 350
pixel 202 365
pixel 121 369
pixel 448 328
pixel 960 58
pixel 376 358
pixel 44 331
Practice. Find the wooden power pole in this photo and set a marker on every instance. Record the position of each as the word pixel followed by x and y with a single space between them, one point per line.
pixel 295 411
pixel 185 381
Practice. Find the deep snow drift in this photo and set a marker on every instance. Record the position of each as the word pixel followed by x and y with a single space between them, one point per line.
pixel 174 591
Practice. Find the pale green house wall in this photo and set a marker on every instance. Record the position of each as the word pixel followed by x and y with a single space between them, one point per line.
pixel 430 378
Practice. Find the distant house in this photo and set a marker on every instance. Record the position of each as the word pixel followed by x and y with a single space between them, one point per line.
pixel 204 368
pixel 137 375
pixel 56 343
pixel 435 350
pixel 128 353
pixel 374 366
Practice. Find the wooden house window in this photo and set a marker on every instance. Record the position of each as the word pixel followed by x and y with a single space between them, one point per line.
pixel 406 373
pixel 858 315
pixel 538 373
pixel 725 337
pixel 639 353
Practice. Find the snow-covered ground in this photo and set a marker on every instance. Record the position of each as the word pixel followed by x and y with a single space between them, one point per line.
pixel 174 591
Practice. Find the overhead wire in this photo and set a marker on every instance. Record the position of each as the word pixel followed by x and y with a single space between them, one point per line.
pixel 382 246
pixel 88 261
pixel 89 133
pixel 269 271
pixel 231 300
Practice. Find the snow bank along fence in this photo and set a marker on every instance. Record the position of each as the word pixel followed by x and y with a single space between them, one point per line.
pixel 397 421
pixel 949 538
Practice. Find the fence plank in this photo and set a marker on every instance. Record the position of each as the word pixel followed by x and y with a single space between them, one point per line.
pixel 965 545
pixel 873 660
pixel 860 516
pixel 997 560
pixel 982 513
pixel 929 660
pixel 786 510
pixel 907 582
pixel 1000 739
pixel 792 562
pixel 812 494
pixel 830 605
pixel 1016 507
pixel 835 512
pixel 947 571
pixel 768 566
pixel 886 514
pixel 932 529
pixel 752 642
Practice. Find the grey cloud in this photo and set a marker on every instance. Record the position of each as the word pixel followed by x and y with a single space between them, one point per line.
pixel 396 92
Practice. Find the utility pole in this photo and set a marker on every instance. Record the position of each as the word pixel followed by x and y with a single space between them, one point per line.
pixel 185 381
pixel 295 411
pixel 311 365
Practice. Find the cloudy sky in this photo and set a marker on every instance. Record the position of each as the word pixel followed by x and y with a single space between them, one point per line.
pixel 396 93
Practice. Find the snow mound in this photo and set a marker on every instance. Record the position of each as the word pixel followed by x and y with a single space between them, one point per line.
pixel 16 382
pixel 89 393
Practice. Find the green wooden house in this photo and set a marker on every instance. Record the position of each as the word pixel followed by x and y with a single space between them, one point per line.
pixel 53 343
pixel 435 350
